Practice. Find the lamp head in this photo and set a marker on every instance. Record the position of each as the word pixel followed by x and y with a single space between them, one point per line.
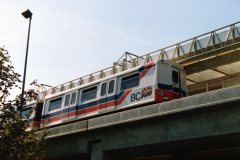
pixel 27 14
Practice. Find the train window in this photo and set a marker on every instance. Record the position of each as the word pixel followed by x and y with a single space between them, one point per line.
pixel 103 89
pixel 111 86
pixel 55 104
pixel 73 100
pixel 175 76
pixel 67 99
pixel 89 94
pixel 130 81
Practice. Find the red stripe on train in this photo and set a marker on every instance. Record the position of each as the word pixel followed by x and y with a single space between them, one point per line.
pixel 146 69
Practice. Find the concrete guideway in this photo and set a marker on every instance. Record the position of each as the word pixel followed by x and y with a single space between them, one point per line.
pixel 188 103
pixel 212 114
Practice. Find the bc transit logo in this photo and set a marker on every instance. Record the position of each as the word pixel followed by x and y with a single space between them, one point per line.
pixel 147 91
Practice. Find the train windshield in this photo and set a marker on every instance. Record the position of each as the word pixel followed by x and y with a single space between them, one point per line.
pixel 26 112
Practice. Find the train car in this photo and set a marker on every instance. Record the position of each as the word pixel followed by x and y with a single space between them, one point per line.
pixel 154 82
pixel 32 112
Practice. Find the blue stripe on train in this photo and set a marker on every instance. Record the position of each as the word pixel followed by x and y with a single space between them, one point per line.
pixel 111 98
pixel 141 68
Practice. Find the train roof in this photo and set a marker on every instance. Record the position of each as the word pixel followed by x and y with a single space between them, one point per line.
pixel 127 63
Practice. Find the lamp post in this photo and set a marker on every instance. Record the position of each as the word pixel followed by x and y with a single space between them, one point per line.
pixel 28 15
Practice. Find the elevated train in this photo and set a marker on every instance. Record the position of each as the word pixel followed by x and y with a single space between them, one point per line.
pixel 153 82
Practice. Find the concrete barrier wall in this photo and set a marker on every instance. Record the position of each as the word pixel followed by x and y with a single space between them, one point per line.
pixel 179 105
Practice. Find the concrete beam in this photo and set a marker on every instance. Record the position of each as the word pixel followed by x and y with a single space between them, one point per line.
pixel 215 61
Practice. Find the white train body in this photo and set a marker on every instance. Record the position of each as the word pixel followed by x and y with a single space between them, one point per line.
pixel 152 83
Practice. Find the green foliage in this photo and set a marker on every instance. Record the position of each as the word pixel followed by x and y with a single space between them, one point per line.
pixel 15 142
pixel 8 77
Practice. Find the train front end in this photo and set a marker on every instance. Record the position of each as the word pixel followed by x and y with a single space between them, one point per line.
pixel 170 81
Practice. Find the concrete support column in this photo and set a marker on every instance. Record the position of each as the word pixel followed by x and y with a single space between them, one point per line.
pixel 96 151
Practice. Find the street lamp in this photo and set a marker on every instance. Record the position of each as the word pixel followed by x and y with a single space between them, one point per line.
pixel 28 15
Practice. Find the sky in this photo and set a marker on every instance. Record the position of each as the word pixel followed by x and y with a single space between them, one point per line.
pixel 73 38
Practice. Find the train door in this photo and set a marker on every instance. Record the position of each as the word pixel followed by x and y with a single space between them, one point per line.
pixel 176 81
pixel 107 100
pixel 52 113
pixel 69 110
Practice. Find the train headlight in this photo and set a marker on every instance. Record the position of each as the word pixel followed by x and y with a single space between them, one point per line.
pixel 160 93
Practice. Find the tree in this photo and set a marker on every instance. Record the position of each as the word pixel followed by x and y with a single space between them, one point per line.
pixel 15 142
